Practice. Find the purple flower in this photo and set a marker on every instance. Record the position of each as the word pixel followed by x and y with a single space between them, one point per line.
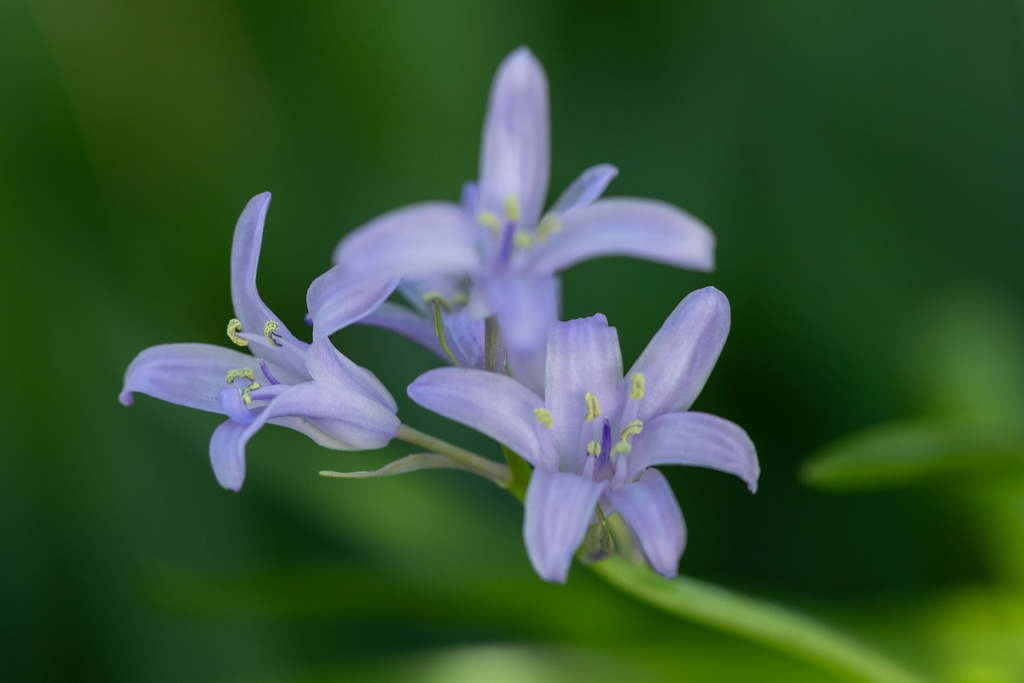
pixel 496 249
pixel 595 436
pixel 311 388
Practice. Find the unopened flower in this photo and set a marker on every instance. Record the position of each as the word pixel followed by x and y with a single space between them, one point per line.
pixel 312 389
pixel 595 436
pixel 499 247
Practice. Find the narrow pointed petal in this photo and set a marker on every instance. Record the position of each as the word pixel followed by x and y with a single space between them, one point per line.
pixel 696 439
pixel 492 404
pixel 336 300
pixel 651 511
pixel 227 453
pixel 515 154
pixel 335 417
pixel 680 357
pixel 327 365
pixel 422 239
pixel 557 512
pixel 583 357
pixel 642 228
pixel 189 375
pixel 525 307
pixel 585 189
pixel 406 323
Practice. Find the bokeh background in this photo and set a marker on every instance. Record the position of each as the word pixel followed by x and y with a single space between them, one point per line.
pixel 860 163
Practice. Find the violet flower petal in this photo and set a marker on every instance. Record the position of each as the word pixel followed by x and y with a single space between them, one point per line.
pixel 336 300
pixel 696 439
pixel 516 148
pixel 227 453
pixel 585 189
pixel 422 239
pixel 407 323
pixel 643 228
pixel 680 357
pixel 328 367
pixel 557 512
pixel 651 511
pixel 492 404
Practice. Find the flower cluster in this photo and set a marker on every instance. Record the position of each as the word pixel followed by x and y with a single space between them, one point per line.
pixel 480 283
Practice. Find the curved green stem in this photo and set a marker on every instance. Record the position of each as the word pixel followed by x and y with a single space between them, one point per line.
pixel 494 471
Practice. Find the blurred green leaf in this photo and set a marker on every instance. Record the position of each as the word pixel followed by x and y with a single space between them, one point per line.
pixel 909 452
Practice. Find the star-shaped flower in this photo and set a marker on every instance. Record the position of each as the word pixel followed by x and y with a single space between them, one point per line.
pixel 595 436
pixel 312 389
pixel 498 248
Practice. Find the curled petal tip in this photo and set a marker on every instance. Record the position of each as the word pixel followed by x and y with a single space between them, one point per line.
pixel 126 398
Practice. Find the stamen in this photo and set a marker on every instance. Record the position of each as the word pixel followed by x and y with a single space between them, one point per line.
pixel 593 408
pixel 490 220
pixel 620 448
pixel 512 210
pixel 544 417
pixel 594 449
pixel 522 239
pixel 439 331
pixel 234 327
pixel 548 226
pixel 636 391
pixel 631 430
pixel 270 332
pixel 247 373
pixel 266 371
pixel 246 399
pixel 435 297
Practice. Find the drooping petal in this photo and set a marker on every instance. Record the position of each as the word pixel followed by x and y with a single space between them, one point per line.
pixel 492 404
pixel 696 439
pixel 583 357
pixel 327 366
pixel 557 512
pixel 651 511
pixel 585 189
pixel 422 239
pixel 189 375
pixel 680 357
pixel 227 453
pixel 335 417
pixel 525 307
pixel 515 153
pixel 407 323
pixel 642 228
pixel 335 299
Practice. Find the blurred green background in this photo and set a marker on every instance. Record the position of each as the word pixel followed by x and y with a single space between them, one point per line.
pixel 860 164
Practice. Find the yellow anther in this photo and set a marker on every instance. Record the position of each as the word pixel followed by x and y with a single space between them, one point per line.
pixel 548 226
pixel 247 373
pixel 234 327
pixel 636 391
pixel 522 239
pixel 594 448
pixel 621 448
pixel 435 296
pixel 489 219
pixel 631 430
pixel 593 408
pixel 460 298
pixel 246 398
pixel 512 209
pixel 269 329
pixel 544 417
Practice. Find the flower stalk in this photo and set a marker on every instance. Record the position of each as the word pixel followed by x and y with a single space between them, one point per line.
pixel 494 471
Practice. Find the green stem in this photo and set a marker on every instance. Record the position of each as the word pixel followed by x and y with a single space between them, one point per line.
pixel 439 329
pixel 757 620
pixel 494 471
pixel 491 344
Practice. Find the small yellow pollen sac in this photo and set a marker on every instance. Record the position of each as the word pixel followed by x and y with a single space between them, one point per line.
pixel 593 407
pixel 636 391
pixel 594 448
pixel 522 239
pixel 489 219
pixel 234 327
pixel 544 417
pixel 269 328
pixel 512 209
pixel 435 296
pixel 246 398
pixel 621 448
pixel 631 430
pixel 548 226
pixel 247 373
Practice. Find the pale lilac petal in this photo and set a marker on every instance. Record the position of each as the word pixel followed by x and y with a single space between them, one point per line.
pixel 525 307
pixel 336 299
pixel 422 239
pixel 407 323
pixel 334 417
pixel 585 189
pixel 190 375
pixel 227 453
pixel 326 365
pixel 696 439
pixel 515 153
pixel 642 228
pixel 233 405
pixel 650 509
pixel 492 404
pixel 557 512
pixel 681 356
pixel 582 357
